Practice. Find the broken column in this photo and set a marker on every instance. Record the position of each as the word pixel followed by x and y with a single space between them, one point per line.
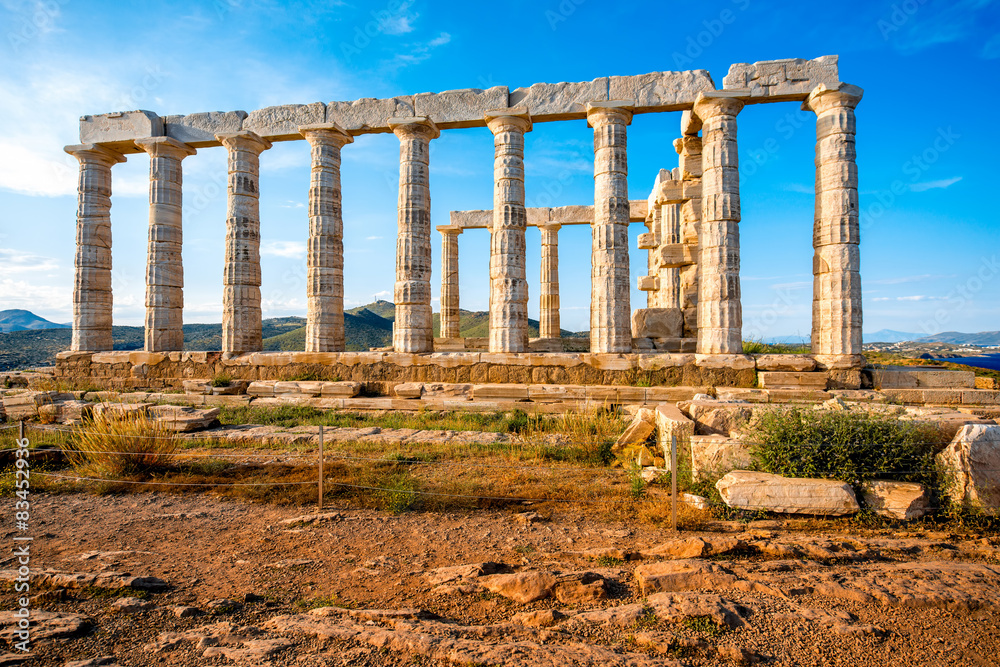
pixel 548 293
pixel 449 281
pixel 164 267
pixel 241 317
pixel 720 313
pixel 610 311
pixel 92 299
pixel 836 330
pixel 508 330
pixel 325 260
pixel 413 329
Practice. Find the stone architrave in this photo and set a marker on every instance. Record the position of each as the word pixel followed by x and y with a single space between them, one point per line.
pixel 508 331
pixel 164 266
pixel 241 317
pixel 449 281
pixel 610 310
pixel 92 299
pixel 836 329
pixel 720 313
pixel 413 330
pixel 325 260
pixel 548 293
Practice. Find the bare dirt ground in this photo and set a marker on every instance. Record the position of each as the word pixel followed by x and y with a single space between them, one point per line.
pixel 766 592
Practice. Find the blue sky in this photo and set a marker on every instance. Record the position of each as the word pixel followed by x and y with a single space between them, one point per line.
pixel 927 140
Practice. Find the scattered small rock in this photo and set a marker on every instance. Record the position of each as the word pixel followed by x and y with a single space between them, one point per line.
pixel 130 605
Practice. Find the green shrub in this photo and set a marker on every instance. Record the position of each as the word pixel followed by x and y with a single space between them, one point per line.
pixel 848 446
pixel 221 380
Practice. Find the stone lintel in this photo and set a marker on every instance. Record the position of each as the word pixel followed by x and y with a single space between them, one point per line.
pixel 546 217
pixel 790 79
pixel 117 130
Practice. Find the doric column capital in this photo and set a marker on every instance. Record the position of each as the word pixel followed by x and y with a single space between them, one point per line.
pixel 550 227
pixel 615 111
pixel 244 140
pixel 450 229
pixel 717 103
pixel 500 120
pixel 414 127
pixel 165 147
pixel 326 133
pixel 95 153
pixel 823 97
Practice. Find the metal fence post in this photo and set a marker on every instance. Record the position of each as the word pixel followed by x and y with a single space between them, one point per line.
pixel 673 481
pixel 20 430
pixel 320 467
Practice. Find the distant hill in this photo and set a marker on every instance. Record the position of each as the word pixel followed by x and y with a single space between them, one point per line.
pixel 25 320
pixel 890 336
pixel 958 338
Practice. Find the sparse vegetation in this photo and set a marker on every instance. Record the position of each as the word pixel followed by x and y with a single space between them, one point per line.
pixel 114 444
pixel 221 380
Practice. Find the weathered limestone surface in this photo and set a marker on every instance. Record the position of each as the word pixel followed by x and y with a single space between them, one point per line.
pixel 413 328
pixel 657 323
pixel 789 495
pixel 282 123
pixel 241 317
pixel 369 114
pixel 836 231
pixel 775 80
pixel 610 310
pixel 120 128
pixel 543 217
pixel 92 299
pixel 508 283
pixel 720 312
pixel 325 260
pixel 548 293
pixel 972 465
pixel 449 281
pixel 164 268
pixel 897 500
pixel 198 130
pixel 460 108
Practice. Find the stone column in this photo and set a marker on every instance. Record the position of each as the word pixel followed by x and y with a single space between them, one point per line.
pixel 325 261
pixel 548 318
pixel 508 281
pixel 720 313
pixel 836 329
pixel 413 330
pixel 164 266
pixel 241 275
pixel 92 300
pixel 449 281
pixel 610 311
pixel 670 278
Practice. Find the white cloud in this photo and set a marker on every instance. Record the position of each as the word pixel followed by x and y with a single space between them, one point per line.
pixel 418 53
pixel 934 185
pixel 25 295
pixel 14 262
pixel 287 249
pixel 914 297
pixel 907 279
pixel 373 238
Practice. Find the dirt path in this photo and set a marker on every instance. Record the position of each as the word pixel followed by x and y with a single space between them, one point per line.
pixel 757 593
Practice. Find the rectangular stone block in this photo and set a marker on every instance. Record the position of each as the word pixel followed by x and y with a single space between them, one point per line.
pixel 770 379
pixel 120 128
pixel 460 108
pixel 369 115
pixel 661 91
pixel 560 101
pixel 281 123
pixel 199 129
pixel 548 393
pixel 500 391
pixel 774 80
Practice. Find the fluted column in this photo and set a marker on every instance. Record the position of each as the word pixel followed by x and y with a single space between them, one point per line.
pixel 241 318
pixel 164 267
pixel 720 313
pixel 548 317
pixel 413 329
pixel 508 280
pixel 449 281
pixel 836 329
pixel 610 311
pixel 670 278
pixel 325 259
pixel 92 299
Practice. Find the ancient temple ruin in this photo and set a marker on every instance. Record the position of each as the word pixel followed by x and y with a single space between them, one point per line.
pixel 693 314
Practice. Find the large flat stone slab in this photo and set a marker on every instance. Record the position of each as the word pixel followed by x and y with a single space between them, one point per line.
pixel 972 468
pixel 749 490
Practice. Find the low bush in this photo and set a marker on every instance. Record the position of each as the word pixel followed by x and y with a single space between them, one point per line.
pixel 115 444
pixel 848 446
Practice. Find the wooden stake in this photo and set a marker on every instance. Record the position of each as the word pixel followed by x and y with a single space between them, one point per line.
pixel 673 481
pixel 320 467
